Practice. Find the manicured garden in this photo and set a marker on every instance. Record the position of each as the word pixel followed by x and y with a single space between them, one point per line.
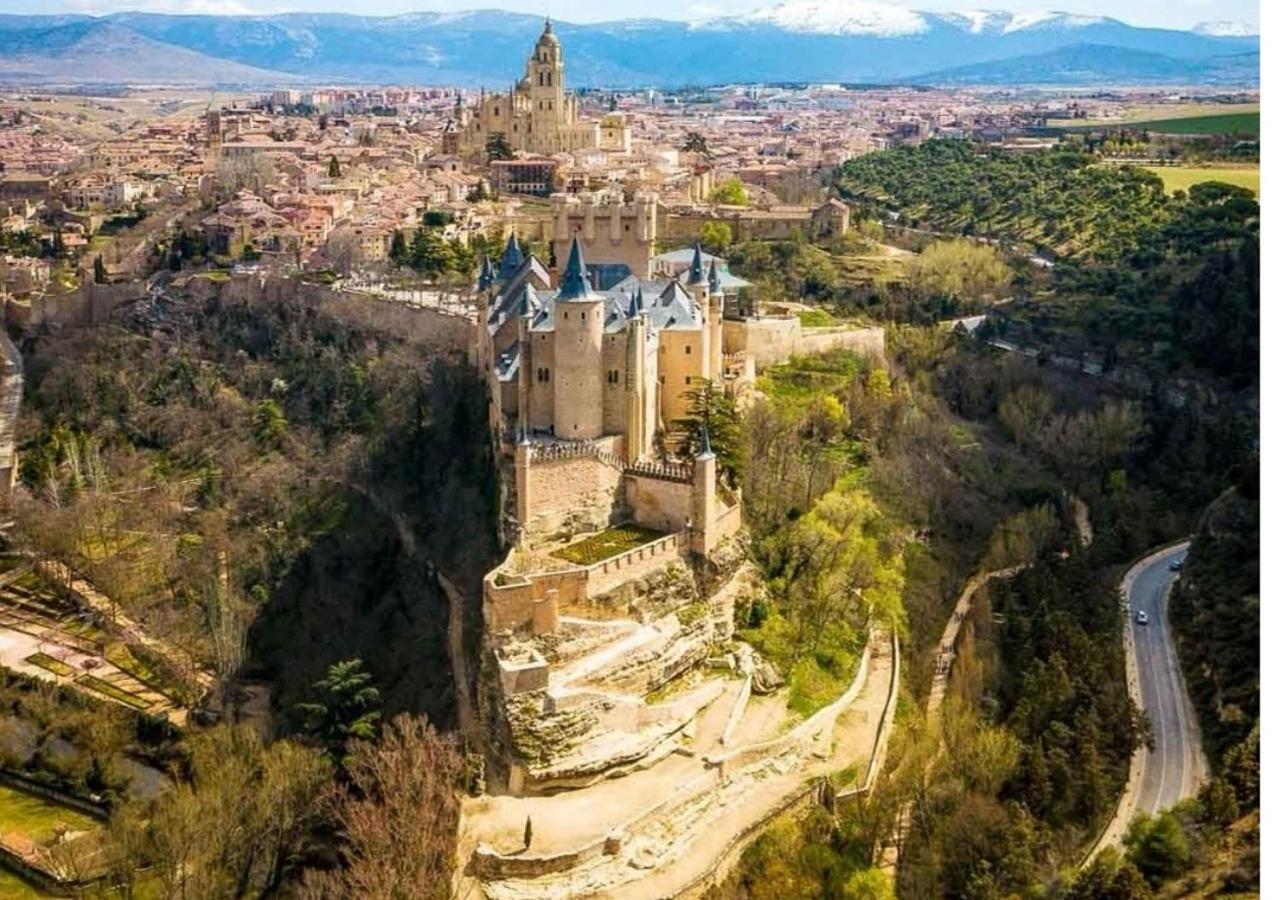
pixel 607 543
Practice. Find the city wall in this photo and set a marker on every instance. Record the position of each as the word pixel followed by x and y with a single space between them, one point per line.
pixel 89 304
pixel 773 339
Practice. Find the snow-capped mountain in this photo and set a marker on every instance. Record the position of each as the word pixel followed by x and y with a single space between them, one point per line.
pixel 1225 29
pixel 870 17
pixel 864 17
pixel 795 40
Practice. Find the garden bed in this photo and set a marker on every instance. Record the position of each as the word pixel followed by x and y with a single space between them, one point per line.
pixel 107 689
pixel 606 544
pixel 50 664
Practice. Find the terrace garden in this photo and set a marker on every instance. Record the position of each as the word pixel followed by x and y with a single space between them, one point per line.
pixel 608 543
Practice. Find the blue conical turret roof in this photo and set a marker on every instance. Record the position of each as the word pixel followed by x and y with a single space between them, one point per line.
pixel 695 268
pixel 485 280
pixel 713 278
pixel 575 283
pixel 511 259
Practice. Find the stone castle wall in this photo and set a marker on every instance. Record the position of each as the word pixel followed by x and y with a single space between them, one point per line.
pixel 771 340
pixel 579 492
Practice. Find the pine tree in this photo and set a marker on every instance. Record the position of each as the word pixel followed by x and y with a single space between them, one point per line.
pixel 335 171
pixel 399 248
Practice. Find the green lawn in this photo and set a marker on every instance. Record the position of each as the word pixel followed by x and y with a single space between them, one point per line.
pixel 817 318
pixel 36 818
pixel 607 543
pixel 1179 178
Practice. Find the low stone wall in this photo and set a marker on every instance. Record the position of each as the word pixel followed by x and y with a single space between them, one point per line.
pixel 530 602
pixel 616 571
pixel 728 763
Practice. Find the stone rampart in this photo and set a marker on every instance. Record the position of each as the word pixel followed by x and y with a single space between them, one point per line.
pixel 769 340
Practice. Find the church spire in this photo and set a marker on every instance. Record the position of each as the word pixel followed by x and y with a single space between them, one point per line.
pixel 713 278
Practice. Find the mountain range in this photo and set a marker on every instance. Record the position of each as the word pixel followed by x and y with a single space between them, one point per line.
pixel 849 41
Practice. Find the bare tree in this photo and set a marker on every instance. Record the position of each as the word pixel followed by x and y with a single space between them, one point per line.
pixel 399 817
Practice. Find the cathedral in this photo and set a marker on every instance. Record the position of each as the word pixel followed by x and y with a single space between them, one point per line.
pixel 536 115
pixel 570 362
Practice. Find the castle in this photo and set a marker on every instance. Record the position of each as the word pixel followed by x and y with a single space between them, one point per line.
pixel 584 387
pixel 536 115
pixel 573 363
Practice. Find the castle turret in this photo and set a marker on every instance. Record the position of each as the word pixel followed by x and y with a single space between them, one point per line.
pixel 511 260
pixel 696 277
pixel 579 338
pixel 704 497
pixel 637 438
pixel 715 322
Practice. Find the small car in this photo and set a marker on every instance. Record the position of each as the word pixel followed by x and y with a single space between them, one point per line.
pixel 1141 617
pixel 1176 565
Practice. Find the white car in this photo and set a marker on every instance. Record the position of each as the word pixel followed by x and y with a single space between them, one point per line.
pixel 1141 617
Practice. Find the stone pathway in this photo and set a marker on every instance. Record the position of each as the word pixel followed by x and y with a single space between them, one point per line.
pixel 705 819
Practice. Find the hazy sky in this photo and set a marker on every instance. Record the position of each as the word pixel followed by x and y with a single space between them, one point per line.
pixel 1166 13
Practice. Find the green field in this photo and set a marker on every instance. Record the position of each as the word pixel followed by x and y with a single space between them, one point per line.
pixel 36 818
pixel 1245 124
pixel 1179 178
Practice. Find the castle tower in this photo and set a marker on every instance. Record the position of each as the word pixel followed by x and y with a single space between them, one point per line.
pixel 696 281
pixel 704 498
pixel 579 339
pixel 524 373
pixel 715 322
pixel 636 434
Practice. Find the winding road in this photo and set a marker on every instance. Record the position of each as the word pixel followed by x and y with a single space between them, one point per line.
pixel 1175 768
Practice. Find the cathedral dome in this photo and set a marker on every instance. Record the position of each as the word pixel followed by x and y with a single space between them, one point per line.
pixel 548 38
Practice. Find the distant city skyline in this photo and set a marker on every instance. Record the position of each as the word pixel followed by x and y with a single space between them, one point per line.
pixel 1180 14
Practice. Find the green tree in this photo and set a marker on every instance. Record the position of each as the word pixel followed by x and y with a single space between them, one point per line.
pixel 335 171
pixel 1158 847
pixel 99 270
pixel 711 407
pixel 496 146
pixel 1110 877
pixel 345 709
pixel 730 192
pixel 269 424
pixel 868 884
pixel 716 236
pixel 399 251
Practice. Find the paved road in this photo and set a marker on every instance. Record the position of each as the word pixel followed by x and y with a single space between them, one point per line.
pixel 1175 768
